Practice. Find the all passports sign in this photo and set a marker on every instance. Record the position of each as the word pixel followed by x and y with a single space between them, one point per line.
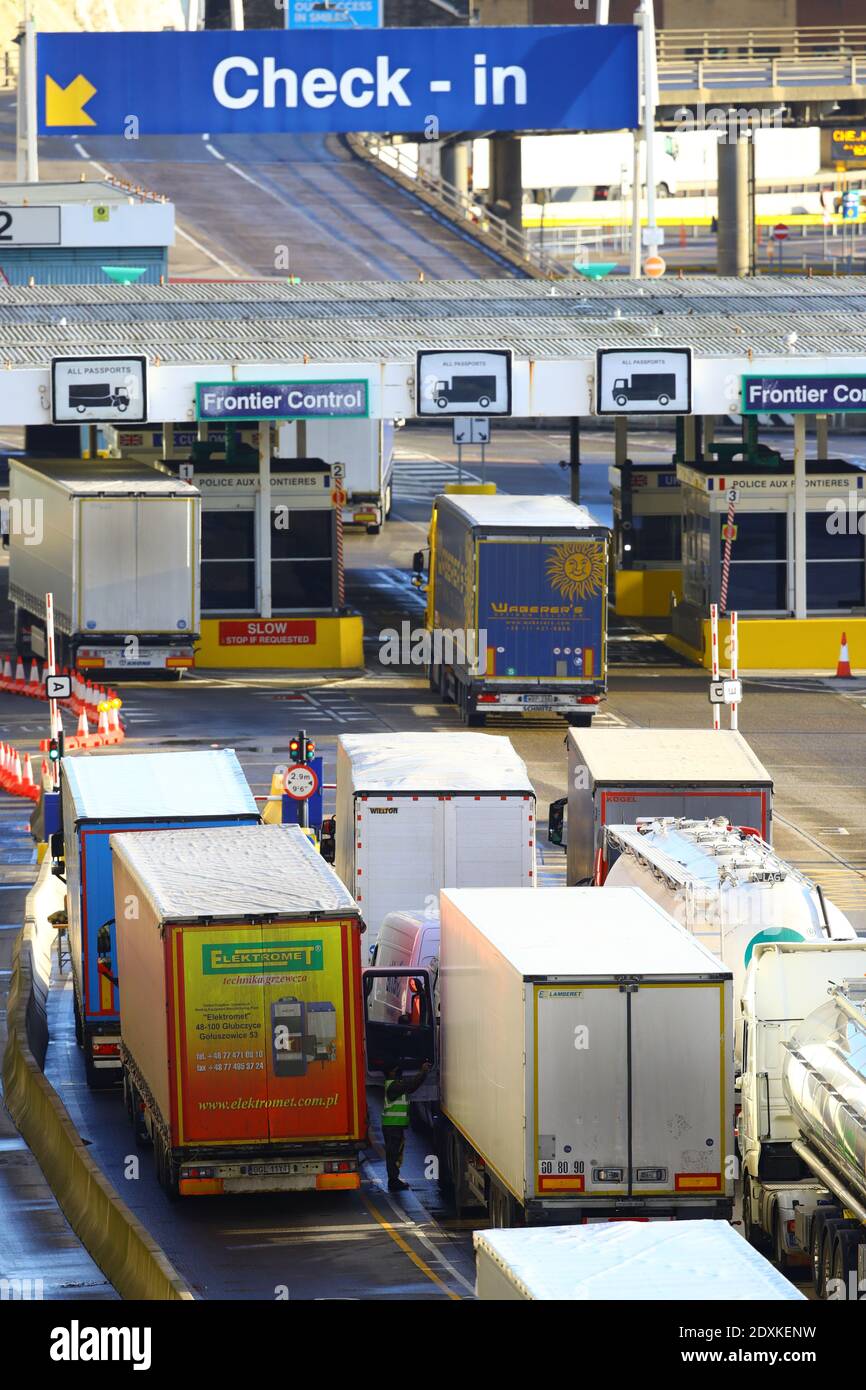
pixel 574 77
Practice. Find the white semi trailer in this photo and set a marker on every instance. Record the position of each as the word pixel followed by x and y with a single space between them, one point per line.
pixel 584 1067
pixel 117 544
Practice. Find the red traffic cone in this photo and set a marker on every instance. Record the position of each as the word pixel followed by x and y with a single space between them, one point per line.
pixel 15 777
pixel 102 728
pixel 4 765
pixel 114 723
pixel 843 665
pixel 82 733
pixel 6 681
pixel 34 684
pixel 19 682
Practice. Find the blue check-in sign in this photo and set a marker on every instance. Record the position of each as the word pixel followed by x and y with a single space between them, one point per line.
pixel 282 400
pixel 803 394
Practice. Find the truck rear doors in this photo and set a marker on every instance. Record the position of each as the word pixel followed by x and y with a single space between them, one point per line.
pixel 630 1090
pixel 152 542
pixel 542 605
pixel 267 1032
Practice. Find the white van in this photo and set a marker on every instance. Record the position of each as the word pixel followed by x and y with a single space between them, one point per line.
pixel 409 939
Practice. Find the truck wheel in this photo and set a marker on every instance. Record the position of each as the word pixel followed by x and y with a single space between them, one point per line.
pixel 166 1170
pixel 832 1227
pixel 455 1170
pixel 621 400
pixel 501 1207
pixel 816 1241
pixel 845 1262
pixel 664 400
pixel 442 402
pixel 484 402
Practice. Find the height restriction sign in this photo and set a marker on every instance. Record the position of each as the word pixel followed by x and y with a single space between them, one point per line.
pixel 300 781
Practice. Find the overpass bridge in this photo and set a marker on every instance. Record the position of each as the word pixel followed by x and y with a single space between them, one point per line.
pixel 758 67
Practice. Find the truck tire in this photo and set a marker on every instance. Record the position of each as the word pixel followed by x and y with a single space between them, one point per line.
pixel 845 1259
pixel 132 1100
pixel 752 1233
pixel 454 1151
pixel 501 1207
pixel 832 1227
pixel 166 1169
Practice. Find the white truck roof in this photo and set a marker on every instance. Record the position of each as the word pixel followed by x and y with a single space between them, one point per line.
pixel 106 477
pixel 510 511
pixel 443 762
pixel 132 786
pixel 668 755
pixel 570 933
pixel 232 872
pixel 628 1260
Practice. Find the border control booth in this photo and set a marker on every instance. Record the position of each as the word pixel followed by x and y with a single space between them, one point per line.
pixel 762 581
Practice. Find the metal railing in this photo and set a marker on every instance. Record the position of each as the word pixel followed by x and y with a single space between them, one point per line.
pixel 844 70
pixel 734 45
pixel 462 207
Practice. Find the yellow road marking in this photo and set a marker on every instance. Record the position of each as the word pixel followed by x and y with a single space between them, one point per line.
pixel 407 1250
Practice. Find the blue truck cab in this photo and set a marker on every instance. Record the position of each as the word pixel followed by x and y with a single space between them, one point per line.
pixel 517 605
pixel 105 793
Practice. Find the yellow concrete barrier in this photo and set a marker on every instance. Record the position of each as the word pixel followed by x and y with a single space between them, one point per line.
pixel 646 593
pixel 785 644
pixel 296 642
pixel 115 1239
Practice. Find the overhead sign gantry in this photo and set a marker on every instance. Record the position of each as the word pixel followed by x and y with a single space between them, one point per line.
pixel 568 77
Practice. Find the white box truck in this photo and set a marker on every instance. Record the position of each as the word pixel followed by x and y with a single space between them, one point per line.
pixel 420 812
pixel 118 547
pixel 617 776
pixel 584 1065
pixel 364 450
pixel 682 1261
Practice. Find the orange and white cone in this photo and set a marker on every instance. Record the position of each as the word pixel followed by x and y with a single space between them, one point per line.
pixel 19 681
pixel 34 684
pixel 102 729
pixel 843 665
pixel 6 681
pixel 114 723
pixel 4 765
pixel 82 733
pixel 28 786
pixel 15 774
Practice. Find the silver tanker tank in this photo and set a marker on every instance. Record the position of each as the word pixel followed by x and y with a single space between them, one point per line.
pixel 824 1081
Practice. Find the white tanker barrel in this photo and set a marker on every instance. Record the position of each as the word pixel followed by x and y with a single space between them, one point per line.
pixel 824 1082
pixel 729 890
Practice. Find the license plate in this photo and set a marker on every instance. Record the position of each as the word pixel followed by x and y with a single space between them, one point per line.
pixel 268 1170
pixel 531 703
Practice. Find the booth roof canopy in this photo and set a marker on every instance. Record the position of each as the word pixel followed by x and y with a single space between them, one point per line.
pixel 273 321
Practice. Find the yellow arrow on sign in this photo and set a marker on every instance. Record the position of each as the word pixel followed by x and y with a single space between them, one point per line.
pixel 65 105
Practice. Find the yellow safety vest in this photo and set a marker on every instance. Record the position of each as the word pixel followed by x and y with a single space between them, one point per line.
pixel 395 1112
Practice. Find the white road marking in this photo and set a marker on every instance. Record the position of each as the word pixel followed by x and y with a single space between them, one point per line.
pixel 205 252
pixel 81 150
pixel 216 154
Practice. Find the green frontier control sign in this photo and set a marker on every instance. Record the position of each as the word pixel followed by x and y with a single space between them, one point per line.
pixel 271 957
pixel 282 400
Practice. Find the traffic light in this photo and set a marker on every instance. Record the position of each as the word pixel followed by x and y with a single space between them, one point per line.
pixel 301 748
pixel 55 748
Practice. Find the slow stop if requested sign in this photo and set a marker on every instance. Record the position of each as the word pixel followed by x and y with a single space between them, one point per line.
pixel 300 782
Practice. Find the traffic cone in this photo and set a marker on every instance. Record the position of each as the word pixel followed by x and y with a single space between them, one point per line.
pixel 34 684
pixel 4 765
pixel 82 733
pixel 843 665
pixel 114 723
pixel 15 774
pixel 19 681
pixel 102 729
pixel 46 775
pixel 6 680
pixel 28 786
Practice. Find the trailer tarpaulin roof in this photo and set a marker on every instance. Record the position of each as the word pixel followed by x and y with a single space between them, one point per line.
pixel 679 1260
pixel 166 786
pixel 440 762
pixel 233 872
pixel 669 756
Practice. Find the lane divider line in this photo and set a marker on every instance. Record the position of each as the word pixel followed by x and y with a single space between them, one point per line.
pixel 407 1250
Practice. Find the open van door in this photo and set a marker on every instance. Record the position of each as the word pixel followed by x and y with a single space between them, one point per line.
pixel 405 1034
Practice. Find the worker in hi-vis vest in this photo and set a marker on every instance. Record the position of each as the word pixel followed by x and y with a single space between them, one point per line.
pixel 395 1118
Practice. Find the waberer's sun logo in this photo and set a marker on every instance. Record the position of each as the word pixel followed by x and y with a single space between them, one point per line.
pixel 576 569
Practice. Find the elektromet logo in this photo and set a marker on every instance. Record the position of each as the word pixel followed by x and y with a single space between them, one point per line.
pixel 77 1343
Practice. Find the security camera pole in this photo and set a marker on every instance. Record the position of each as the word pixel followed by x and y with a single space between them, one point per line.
pixel 648 86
